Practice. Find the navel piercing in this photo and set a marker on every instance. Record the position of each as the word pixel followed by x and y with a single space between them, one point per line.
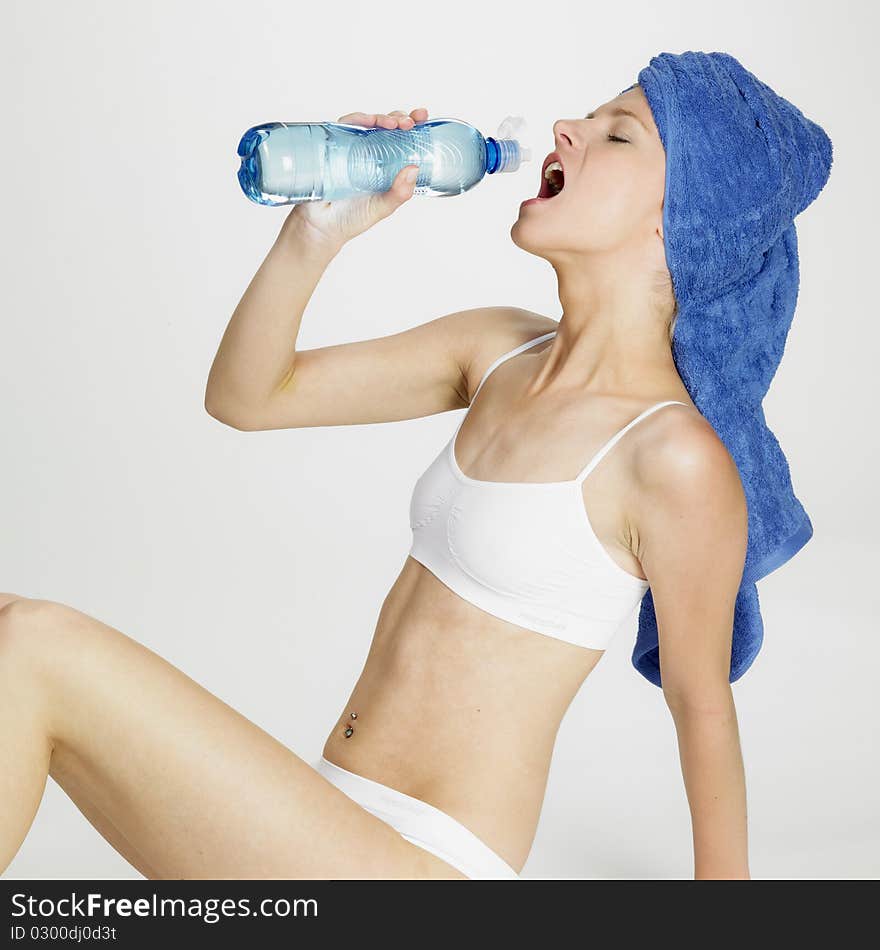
pixel 350 729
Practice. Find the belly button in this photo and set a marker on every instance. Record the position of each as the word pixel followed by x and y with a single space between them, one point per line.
pixel 350 729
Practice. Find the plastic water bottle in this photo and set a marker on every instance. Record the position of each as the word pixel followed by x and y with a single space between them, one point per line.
pixel 287 162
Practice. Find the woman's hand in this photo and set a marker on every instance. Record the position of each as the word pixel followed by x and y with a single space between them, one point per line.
pixel 335 222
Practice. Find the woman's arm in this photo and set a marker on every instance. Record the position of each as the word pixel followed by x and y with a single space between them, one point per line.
pixel 261 380
pixel 691 540
pixel 257 350
pixel 714 777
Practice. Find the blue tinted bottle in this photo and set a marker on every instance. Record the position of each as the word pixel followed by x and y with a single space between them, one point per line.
pixel 288 162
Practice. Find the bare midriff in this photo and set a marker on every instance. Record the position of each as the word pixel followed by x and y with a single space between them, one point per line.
pixel 460 709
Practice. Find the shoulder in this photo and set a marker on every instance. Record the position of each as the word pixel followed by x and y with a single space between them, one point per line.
pixel 485 333
pixel 682 464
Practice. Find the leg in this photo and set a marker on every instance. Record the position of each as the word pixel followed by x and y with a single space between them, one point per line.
pixel 25 746
pixel 181 784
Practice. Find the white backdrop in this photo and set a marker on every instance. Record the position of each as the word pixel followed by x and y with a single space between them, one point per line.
pixel 128 243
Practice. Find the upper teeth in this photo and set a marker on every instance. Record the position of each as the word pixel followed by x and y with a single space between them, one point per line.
pixel 553 166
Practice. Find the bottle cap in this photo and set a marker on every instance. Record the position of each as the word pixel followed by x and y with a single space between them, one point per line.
pixel 511 135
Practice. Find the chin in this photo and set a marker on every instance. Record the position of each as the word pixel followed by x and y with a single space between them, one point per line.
pixel 527 239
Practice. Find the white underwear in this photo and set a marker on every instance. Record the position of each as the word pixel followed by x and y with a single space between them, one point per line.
pixel 421 823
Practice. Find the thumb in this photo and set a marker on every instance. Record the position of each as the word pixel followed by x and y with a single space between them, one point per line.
pixel 401 190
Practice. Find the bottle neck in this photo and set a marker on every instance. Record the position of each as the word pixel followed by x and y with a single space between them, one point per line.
pixel 502 155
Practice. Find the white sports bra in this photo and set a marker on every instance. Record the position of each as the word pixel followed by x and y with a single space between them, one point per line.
pixel 523 551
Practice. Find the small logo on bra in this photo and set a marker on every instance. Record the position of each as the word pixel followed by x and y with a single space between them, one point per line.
pixel 549 623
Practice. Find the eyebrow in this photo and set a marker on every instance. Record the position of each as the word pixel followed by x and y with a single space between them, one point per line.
pixel 618 110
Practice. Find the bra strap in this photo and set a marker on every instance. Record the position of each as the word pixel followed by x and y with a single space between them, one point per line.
pixel 506 356
pixel 594 461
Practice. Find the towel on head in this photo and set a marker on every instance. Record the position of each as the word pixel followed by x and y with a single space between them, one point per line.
pixel 741 163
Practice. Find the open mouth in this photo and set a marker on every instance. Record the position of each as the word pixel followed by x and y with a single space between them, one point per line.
pixel 552 177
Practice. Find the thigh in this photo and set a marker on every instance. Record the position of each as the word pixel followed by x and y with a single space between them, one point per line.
pixel 178 781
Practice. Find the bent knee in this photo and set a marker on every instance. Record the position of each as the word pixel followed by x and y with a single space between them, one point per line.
pixel 7 598
pixel 26 623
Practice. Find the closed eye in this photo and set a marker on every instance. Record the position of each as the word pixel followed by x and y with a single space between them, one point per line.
pixel 614 138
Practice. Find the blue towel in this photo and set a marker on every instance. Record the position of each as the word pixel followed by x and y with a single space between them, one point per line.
pixel 741 163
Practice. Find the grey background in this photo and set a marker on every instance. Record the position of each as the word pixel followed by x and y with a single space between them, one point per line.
pixel 257 561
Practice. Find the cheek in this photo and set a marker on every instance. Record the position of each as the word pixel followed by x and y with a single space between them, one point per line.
pixel 595 213
pixel 598 210
pixel 610 193
pixel 610 205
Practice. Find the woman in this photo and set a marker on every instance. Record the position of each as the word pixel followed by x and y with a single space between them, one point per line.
pixel 582 475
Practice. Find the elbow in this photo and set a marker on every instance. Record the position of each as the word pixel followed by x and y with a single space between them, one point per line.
pixel 704 699
pixel 226 416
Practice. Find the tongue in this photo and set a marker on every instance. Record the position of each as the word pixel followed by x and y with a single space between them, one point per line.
pixel 546 190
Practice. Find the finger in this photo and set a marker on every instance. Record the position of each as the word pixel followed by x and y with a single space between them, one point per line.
pixel 401 186
pixel 399 192
pixel 389 120
pixel 384 203
pixel 358 118
pixel 417 115
pixel 403 120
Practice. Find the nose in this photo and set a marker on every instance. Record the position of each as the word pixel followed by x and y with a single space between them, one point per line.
pixel 564 131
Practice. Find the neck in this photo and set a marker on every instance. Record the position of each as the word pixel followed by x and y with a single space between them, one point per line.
pixel 610 340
